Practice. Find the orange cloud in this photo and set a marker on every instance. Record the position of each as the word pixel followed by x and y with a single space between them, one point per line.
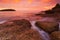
pixel 4 1
pixel 46 1
pixel 30 1
pixel 16 1
pixel 10 1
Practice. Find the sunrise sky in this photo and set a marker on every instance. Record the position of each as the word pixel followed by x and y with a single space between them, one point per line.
pixel 28 4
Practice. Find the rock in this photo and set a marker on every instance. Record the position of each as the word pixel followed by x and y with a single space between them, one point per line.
pixel 18 30
pixel 57 7
pixel 54 10
pixel 55 35
pixel 15 26
pixel 22 22
pixel 48 26
pixel 31 35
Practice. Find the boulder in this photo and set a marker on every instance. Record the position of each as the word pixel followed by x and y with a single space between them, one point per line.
pixel 47 26
pixel 55 35
pixel 22 22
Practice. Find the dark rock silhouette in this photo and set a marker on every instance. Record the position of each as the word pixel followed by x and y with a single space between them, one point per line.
pixel 56 7
pixel 8 10
pixel 54 10
pixel 49 12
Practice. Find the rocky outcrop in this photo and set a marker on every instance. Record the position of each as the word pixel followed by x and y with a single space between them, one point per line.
pixel 56 7
pixel 22 22
pixel 54 10
pixel 48 26
pixel 55 35
pixel 18 30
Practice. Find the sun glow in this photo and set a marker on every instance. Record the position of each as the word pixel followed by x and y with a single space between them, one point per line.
pixel 30 1
pixel 46 1
pixel 10 1
pixel 16 1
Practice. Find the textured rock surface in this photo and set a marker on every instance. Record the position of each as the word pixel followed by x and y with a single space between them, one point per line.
pixel 55 35
pixel 22 22
pixel 31 35
pixel 48 26
pixel 18 30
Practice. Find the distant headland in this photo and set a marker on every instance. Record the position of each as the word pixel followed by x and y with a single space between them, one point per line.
pixel 55 9
pixel 7 10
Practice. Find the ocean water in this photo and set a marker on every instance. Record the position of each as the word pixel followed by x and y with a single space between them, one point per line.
pixel 16 13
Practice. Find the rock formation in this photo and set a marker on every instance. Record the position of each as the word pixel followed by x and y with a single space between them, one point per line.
pixel 55 35
pixel 18 30
pixel 48 26
pixel 54 10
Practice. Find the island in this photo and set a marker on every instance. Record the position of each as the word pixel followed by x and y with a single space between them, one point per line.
pixel 8 10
